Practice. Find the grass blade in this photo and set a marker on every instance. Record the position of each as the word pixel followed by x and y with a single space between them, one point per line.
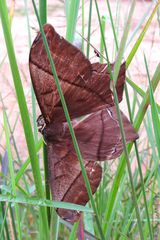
pixel 155 118
pixel 72 7
pixel 140 38
pixel 11 170
pixel 89 28
pixel 23 107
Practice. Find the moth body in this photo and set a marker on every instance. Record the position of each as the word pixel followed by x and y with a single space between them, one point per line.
pixel 87 90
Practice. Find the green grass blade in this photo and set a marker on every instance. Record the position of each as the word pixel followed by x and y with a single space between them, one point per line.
pixel 11 170
pixel 103 23
pixel 140 38
pixel 112 24
pixel 139 90
pixel 72 7
pixel 83 25
pixel 43 17
pixel 89 28
pixel 3 224
pixel 43 202
pixel 130 219
pixel 43 11
pixel 143 191
pixel 154 111
pixel 155 118
pixel 140 170
pixel 54 225
pixel 140 24
pixel 22 106
pixel 32 91
pixel 123 42
pixel 74 231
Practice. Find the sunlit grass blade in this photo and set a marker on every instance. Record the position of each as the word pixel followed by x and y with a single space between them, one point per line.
pixel 83 25
pixel 103 23
pixel 89 28
pixel 143 191
pixel 151 136
pixel 32 91
pixel 54 225
pixel 123 42
pixel 155 118
pixel 74 231
pixel 43 18
pixel 154 111
pixel 140 38
pixel 72 7
pixel 139 25
pixel 139 90
pixel 43 11
pixel 43 202
pixel 112 24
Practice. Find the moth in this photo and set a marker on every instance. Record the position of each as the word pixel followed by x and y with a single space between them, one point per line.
pixel 87 92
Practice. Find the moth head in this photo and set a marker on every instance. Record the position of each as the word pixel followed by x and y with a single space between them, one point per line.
pixel 41 123
pixel 53 132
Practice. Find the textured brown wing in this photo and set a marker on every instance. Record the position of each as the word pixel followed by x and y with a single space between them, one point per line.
pixel 103 69
pixel 98 135
pixel 69 62
pixel 66 180
pixel 99 139
pixel 86 87
pixel 91 96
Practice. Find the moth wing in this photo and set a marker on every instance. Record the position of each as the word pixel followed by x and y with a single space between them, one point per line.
pixel 84 97
pixel 86 87
pixel 66 180
pixel 99 139
pixel 103 69
pixel 99 135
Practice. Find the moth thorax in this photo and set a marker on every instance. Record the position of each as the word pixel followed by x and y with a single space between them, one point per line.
pixel 54 132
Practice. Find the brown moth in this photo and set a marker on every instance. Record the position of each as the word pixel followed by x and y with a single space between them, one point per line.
pixel 86 88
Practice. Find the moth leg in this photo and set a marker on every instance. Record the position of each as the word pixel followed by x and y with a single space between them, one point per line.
pixel 41 123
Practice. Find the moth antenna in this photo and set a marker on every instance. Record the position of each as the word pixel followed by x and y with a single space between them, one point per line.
pixel 95 49
pixel 34 29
